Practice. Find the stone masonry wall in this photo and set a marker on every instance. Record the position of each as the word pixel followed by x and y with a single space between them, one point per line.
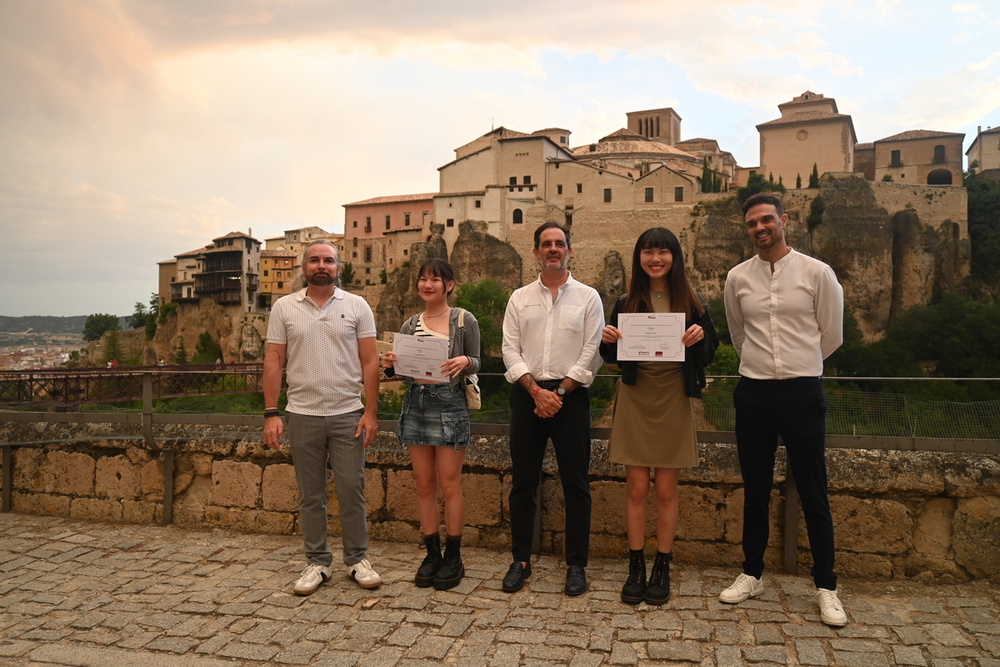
pixel 899 515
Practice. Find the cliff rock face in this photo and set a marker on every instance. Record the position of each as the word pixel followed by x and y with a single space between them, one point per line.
pixel 475 257
pixel 892 247
pixel 240 335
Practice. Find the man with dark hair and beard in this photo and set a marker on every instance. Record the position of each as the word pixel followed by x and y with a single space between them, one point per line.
pixel 324 339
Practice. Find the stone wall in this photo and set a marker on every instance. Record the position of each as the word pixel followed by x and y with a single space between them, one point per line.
pixel 899 515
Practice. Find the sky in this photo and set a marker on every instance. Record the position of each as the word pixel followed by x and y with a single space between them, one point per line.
pixel 135 130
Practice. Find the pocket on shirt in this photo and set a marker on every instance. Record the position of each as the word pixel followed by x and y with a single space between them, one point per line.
pixel 570 317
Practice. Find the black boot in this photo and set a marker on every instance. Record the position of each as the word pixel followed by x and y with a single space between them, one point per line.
pixel 635 585
pixel 658 590
pixel 452 570
pixel 432 562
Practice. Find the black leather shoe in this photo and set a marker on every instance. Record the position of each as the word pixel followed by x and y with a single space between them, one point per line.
pixel 513 581
pixel 576 580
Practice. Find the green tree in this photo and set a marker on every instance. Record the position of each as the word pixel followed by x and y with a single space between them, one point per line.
pixel 98 323
pixel 816 208
pixel 755 184
pixel 798 181
pixel 112 348
pixel 180 353
pixel 347 273
pixel 707 177
pixel 487 300
pixel 984 227
pixel 814 177
pixel 207 351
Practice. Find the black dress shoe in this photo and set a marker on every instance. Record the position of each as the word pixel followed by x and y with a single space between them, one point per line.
pixel 513 581
pixel 576 580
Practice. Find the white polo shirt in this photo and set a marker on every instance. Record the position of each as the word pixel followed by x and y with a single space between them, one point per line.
pixel 322 364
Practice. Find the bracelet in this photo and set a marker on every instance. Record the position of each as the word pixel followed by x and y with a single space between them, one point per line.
pixel 271 412
pixel 535 390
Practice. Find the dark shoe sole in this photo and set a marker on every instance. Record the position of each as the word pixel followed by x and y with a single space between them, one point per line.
pixel 446 584
pixel 630 599
pixel 424 582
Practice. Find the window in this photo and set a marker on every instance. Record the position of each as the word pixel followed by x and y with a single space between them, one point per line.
pixel 388 221
pixel 558 189
pixel 354 242
pixel 939 154
pixel 527 180
pixel 479 203
pixel 355 225
pixel 406 251
pixel 513 180
pixel 518 217
pixel 281 285
pixel 679 194
pixel 894 160
pixel 579 188
pixel 406 219
pixel 607 195
pixel 649 195
pixel 265 273
pixel 368 253
pixel 368 220
pixel 450 222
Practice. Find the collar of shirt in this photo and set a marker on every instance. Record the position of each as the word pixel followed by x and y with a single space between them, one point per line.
pixel 302 295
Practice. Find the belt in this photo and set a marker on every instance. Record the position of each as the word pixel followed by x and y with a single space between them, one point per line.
pixel 550 384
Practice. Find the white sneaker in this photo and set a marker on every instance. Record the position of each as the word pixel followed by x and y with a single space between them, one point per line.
pixel 364 574
pixel 311 578
pixel 831 611
pixel 744 587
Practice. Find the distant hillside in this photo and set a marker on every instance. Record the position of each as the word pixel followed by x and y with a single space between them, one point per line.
pixel 46 324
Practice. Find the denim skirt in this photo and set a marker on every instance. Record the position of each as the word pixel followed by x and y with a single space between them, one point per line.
pixel 434 414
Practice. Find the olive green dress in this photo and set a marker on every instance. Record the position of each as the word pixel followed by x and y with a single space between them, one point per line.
pixel 653 424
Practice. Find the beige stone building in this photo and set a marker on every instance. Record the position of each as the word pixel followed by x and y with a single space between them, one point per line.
pixel 920 157
pixel 984 152
pixel 810 131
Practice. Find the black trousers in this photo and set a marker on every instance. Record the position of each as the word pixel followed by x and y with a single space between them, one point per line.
pixel 569 430
pixel 796 410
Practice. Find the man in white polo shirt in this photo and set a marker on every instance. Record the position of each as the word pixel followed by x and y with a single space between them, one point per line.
pixel 324 339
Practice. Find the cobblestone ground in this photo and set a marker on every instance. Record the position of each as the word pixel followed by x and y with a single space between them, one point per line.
pixel 77 593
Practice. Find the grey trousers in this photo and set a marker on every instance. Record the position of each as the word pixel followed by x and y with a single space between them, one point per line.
pixel 315 442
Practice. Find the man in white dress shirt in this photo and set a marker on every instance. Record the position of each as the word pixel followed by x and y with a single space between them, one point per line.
pixel 551 333
pixel 785 312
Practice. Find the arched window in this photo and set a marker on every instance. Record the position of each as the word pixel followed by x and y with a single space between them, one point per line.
pixel 518 216
pixel 939 177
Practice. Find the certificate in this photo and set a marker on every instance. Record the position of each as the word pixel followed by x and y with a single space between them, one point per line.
pixel 420 356
pixel 651 337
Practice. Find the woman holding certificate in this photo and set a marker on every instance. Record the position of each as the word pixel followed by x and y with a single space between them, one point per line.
pixel 653 425
pixel 434 424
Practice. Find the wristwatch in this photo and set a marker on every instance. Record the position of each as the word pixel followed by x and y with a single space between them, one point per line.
pixel 561 390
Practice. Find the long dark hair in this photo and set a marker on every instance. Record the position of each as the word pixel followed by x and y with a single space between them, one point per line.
pixel 682 298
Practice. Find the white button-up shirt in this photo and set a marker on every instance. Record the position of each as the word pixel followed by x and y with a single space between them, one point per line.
pixel 550 340
pixel 786 322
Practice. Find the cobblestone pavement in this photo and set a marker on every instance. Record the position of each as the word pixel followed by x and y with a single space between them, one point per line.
pixel 77 593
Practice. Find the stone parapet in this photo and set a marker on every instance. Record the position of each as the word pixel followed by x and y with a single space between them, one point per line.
pixel 930 516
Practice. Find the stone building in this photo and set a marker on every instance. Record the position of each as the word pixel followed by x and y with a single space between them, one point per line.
pixel 811 131
pixel 226 271
pixel 919 157
pixel 378 232
pixel 984 152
